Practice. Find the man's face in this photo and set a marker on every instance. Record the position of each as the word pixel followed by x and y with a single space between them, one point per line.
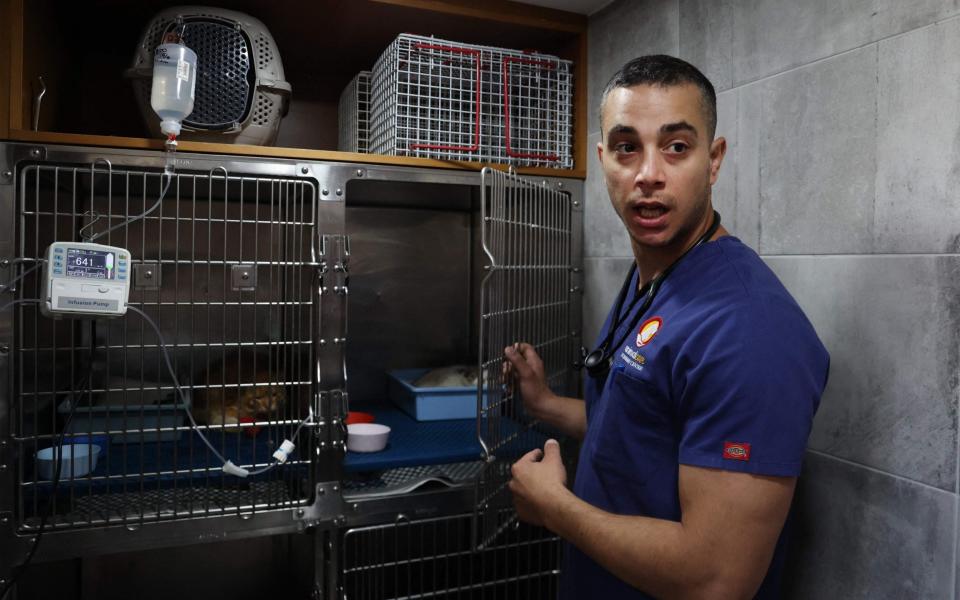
pixel 659 164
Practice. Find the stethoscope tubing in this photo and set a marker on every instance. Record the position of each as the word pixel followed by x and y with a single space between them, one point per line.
pixel 599 365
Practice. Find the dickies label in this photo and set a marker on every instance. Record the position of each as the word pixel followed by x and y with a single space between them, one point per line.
pixel 736 451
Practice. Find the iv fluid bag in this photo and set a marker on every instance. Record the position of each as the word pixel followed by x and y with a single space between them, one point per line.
pixel 174 85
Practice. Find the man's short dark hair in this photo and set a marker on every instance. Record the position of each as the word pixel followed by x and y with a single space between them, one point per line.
pixel 666 71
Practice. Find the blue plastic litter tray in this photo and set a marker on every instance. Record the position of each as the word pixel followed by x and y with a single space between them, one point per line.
pixel 431 403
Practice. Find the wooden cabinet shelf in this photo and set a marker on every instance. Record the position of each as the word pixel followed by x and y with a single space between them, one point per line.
pixel 81 49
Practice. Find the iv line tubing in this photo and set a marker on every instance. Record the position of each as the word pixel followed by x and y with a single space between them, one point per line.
pixel 168 172
pixel 176 383
pixel 9 284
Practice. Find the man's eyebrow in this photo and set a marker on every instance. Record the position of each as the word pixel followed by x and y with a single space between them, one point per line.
pixel 622 129
pixel 678 126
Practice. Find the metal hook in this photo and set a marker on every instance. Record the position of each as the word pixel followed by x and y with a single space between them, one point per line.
pixel 36 103
pixel 226 174
pixel 88 235
pixel 100 159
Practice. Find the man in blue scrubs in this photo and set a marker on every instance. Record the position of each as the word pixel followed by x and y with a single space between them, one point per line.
pixel 703 392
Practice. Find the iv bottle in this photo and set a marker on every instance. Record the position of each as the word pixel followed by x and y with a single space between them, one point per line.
pixel 174 85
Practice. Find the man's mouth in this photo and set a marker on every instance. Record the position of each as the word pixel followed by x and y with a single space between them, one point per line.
pixel 649 215
pixel 650 212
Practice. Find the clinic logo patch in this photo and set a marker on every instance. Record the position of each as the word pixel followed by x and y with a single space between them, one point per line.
pixel 736 451
pixel 649 329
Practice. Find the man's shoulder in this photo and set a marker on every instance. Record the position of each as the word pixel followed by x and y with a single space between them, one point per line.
pixel 740 295
pixel 732 278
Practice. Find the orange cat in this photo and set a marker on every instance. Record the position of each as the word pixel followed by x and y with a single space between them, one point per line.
pixel 231 397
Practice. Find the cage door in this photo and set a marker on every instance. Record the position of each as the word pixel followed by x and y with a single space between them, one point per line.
pixel 525 298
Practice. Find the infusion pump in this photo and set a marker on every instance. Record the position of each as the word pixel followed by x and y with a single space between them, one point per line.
pixel 85 279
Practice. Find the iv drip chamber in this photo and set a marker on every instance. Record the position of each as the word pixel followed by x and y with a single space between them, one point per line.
pixel 174 85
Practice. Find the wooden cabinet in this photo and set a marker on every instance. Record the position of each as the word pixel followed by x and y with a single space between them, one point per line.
pixel 81 49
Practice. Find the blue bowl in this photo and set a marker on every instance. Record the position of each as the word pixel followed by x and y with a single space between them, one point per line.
pixel 97 440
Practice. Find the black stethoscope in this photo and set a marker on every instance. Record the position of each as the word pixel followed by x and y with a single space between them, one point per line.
pixel 597 362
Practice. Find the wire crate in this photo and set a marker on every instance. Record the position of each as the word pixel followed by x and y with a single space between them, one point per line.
pixel 224 266
pixel 440 99
pixel 354 115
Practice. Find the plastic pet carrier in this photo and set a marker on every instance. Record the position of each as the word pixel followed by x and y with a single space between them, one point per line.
pixel 241 93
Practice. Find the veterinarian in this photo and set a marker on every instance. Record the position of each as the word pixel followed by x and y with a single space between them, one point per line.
pixel 702 387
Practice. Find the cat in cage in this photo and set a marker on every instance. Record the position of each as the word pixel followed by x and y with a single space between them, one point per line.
pixel 234 391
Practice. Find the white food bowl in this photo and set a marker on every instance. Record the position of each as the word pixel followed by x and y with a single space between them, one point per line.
pixel 76 460
pixel 367 437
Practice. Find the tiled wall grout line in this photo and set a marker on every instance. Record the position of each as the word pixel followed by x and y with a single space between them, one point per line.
pixel 881 472
pixel 866 255
pixel 956 510
pixel 841 53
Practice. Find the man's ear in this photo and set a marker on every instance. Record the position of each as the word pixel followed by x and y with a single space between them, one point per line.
pixel 718 149
pixel 600 150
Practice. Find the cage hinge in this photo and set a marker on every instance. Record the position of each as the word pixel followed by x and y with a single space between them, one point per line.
pixel 334 268
pixel 332 404
pixel 332 409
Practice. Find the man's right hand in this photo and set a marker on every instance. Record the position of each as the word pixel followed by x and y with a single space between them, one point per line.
pixel 566 414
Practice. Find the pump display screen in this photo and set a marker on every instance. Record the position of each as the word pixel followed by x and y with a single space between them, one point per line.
pixel 90 264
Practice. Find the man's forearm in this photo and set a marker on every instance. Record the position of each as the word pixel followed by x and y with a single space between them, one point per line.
pixel 569 415
pixel 657 556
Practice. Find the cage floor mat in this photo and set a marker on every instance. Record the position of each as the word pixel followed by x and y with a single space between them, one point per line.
pixel 172 502
pixel 404 480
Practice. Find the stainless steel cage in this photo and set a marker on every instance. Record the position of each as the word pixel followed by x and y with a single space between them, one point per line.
pixel 432 558
pixel 245 267
pixel 224 266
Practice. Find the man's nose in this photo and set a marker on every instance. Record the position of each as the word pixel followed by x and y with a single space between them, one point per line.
pixel 651 173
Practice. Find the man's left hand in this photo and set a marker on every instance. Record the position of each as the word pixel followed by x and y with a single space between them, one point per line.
pixel 539 477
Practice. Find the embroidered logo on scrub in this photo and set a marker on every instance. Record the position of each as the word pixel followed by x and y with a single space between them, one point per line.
pixel 736 450
pixel 649 329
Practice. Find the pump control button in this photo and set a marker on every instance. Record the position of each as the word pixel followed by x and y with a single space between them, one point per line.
pixel 103 290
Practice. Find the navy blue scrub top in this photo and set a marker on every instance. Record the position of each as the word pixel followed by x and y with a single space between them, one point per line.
pixel 723 371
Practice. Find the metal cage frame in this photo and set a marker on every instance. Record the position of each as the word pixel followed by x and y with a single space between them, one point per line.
pixel 325 509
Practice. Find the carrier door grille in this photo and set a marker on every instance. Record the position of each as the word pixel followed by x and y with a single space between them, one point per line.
pixel 525 297
pixel 225 77
pixel 226 267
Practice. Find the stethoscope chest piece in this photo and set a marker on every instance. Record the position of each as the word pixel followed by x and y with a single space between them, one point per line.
pixel 597 362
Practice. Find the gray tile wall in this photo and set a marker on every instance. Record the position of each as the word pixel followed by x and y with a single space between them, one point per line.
pixel 843 128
